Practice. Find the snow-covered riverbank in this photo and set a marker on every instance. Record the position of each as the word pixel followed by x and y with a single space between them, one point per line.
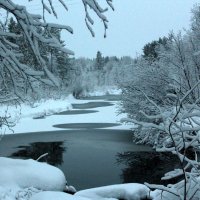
pixel 40 181
pixel 25 116
pixel 20 114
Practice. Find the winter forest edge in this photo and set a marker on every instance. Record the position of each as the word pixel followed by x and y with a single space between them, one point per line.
pixel 160 94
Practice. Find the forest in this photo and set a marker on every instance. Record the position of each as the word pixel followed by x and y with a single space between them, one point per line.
pixel 159 95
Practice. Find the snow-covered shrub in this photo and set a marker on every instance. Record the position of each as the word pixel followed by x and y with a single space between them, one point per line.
pixel 148 80
pixel 182 128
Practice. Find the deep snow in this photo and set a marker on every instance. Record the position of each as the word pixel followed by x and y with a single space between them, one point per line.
pixel 32 180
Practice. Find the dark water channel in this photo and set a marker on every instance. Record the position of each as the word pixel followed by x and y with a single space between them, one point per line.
pixel 91 156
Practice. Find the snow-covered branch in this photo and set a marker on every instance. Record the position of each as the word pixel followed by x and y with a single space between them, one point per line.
pixel 35 32
pixel 94 5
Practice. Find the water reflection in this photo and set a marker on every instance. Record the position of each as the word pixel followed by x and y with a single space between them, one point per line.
pixel 91 105
pixel 40 117
pixel 76 112
pixel 55 152
pixel 148 167
pixel 110 97
pixel 86 125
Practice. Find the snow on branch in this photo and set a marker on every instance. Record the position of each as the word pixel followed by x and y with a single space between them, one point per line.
pixel 144 124
pixel 179 125
pixel 36 31
pixel 162 188
pixel 94 5
pixel 29 24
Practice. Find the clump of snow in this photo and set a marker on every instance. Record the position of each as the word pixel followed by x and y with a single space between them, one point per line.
pixel 29 173
pixel 130 191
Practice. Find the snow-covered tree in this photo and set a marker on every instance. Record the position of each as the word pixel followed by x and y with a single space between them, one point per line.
pixel 11 65
pixel 87 78
pixel 182 64
pixel 165 99
pixel 99 61
pixel 181 128
pixel 18 74
pixel 146 79
pixel 24 49
pixel 150 49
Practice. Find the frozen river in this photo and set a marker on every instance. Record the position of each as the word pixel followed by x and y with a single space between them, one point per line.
pixel 90 146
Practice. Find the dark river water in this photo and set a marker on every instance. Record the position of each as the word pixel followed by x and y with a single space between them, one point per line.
pixel 90 156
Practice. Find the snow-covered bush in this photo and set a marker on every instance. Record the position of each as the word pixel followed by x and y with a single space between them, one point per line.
pixel 182 128
pixel 174 70
pixel 149 80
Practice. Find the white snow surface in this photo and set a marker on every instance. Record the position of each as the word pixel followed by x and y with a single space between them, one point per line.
pixel 37 109
pixel 26 124
pixel 21 179
pixel 129 191
pixel 22 116
pixel 32 180
pixel 56 196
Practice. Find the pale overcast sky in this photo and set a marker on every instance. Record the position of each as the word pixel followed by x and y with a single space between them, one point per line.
pixel 133 24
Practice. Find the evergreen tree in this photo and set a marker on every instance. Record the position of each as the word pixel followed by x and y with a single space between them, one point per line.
pixel 57 61
pixel 150 50
pixel 64 67
pixel 27 57
pixel 106 60
pixel 99 64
